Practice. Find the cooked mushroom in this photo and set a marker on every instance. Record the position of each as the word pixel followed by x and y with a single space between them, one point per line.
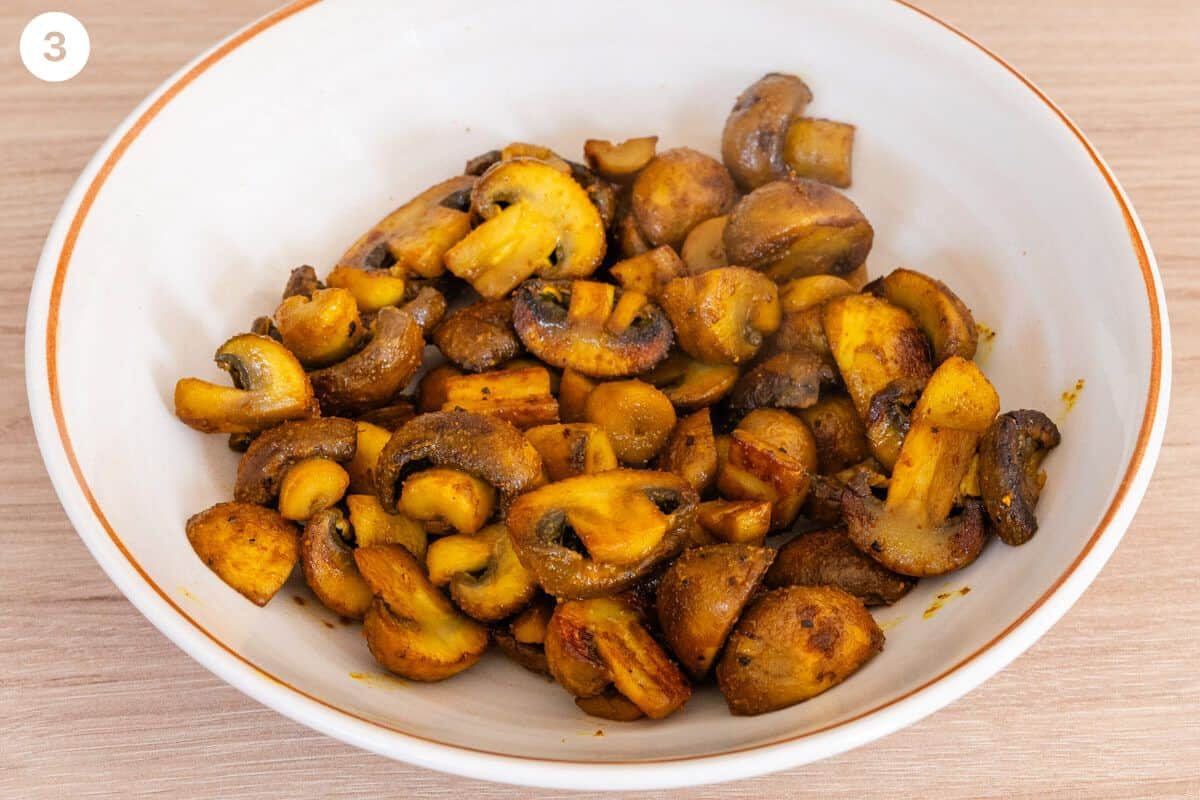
pixel 819 149
pixel 578 448
pixel 791 644
pixel 482 446
pixel 369 441
pixel 328 563
pixel 736 521
pixel 771 457
pixel 269 386
pixel 610 705
pixel 265 326
pixel 432 387
pixel 704 247
pixel 601 644
pixel 375 374
pixel 838 432
pixel 371 524
pixel 302 281
pixel 649 272
pixel 702 595
pixel 628 237
pixel 311 485
pixel 481 163
pixel 691 452
pixel 593 328
pixel 602 193
pixel 827 557
pixel 691 384
pixel 536 220
pixel 943 318
pixel 322 328
pixel 573 391
pixel 637 418
pixel 389 417
pixel 411 628
pixel 597 534
pixel 523 638
pixel 445 499
pixel 479 336
pixel 372 289
pixel 722 315
pixel 619 162
pixel 889 416
pixel 913 533
pixel 785 380
pixel 487 580
pixel 803 301
pixel 426 305
pixel 413 239
pixel 540 152
pixel 823 506
pixel 1010 471
pixel 753 140
pixel 265 463
pixel 250 548
pixel 520 396
pixel 678 189
pixel 794 227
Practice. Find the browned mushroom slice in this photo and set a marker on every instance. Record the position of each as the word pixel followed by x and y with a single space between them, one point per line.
pixel 481 163
pixel 602 193
pixel 628 237
pixel 372 289
pixel 310 486
pixel 376 374
pixel 754 135
pixel 444 499
pixel 702 595
pixel 372 524
pixel 819 149
pixel 650 272
pixel 578 448
pixel 486 579
pixel 1010 471
pixel 889 416
pixel 827 557
pixel 592 328
pixel 431 388
pixel 479 445
pixel 413 239
pixel 250 548
pixel 389 417
pixel 479 336
pixel 942 316
pixel 320 329
pixel 573 391
pixel 913 533
pixel 785 380
pixel 265 463
pixel 823 506
pixel 328 563
pixel 704 247
pixel 610 705
pixel 723 315
pixel 691 384
pixel 678 189
pixel 520 396
pixel 600 645
pixel 536 220
pixel 596 534
pixel 794 227
pixel 736 521
pixel 302 281
pixel 619 162
pixel 691 452
pixel 837 430
pixel 803 301
pixel 426 305
pixel 269 386
pixel 771 457
pixel 523 638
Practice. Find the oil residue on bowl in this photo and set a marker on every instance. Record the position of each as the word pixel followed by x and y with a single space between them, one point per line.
pixel 1070 396
pixel 378 680
pixel 890 624
pixel 941 599
pixel 986 338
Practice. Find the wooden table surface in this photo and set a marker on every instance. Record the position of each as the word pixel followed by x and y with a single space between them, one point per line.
pixel 94 702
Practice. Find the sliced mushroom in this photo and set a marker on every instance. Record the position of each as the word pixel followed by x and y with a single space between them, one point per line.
pixel 637 418
pixel 488 583
pixel 650 272
pixel 269 387
pixel 601 644
pixel 411 628
pixel 723 315
pixel 389 417
pixel 754 135
pixel 771 458
pixel 628 237
pixel 481 163
pixel 942 316
pixel 328 563
pixel 479 336
pixel 913 532
pixel 819 149
pixel 1010 471
pixel 823 505
pixel 704 247
pixel 482 446
pixel 523 638
pixel 702 595
pixel 573 391
pixel 678 189
pixel 610 705
pixel 838 432
pixel 302 281
pixel 311 485
pixel 369 441
pixel 794 227
pixel 266 462
pixel 540 152
pixel 372 524
pixel 619 162
pixel 372 289
pixel 889 417
pixel 602 193
pixel 536 220
pixel 320 329
pixel 432 387
pixel 597 534
pixel 251 548
pixel 413 239
pixel 803 301
pixel 520 396
pixel 690 384
pixel 377 373
pixel 592 328
pixel 736 521
pixel 567 450
pixel 445 499
pixel 827 557
pixel 691 452
pixel 785 380
pixel 427 306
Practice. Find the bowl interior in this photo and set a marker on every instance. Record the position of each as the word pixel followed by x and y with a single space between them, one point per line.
pixel 289 146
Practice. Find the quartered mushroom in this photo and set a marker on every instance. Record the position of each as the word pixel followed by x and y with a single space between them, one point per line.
pixel 536 220
pixel 1010 471
pixel 637 418
pixel 521 395
pixel 601 645
pixel 596 534
pixel 485 578
pixel 266 463
pixel 479 336
pixel 573 391
pixel 251 548
pixel 942 316
pixel 691 452
pixel 322 328
pixel 677 190
pixel 722 316
pixel 827 557
pixel 621 161
pixel 413 239
pixel 753 139
pixel 389 417
pixel 269 387
pixel 376 374
pixel 913 532
pixel 593 328
pixel 790 379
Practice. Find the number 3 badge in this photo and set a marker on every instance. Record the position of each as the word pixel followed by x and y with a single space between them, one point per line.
pixel 55 46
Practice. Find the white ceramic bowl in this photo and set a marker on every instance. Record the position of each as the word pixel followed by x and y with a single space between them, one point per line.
pixel 282 144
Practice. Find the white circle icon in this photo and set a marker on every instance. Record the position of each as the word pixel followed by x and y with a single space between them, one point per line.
pixel 55 46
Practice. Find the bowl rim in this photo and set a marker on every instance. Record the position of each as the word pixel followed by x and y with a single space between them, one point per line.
pixel 222 659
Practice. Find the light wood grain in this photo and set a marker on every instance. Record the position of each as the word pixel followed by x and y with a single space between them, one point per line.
pixel 96 703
